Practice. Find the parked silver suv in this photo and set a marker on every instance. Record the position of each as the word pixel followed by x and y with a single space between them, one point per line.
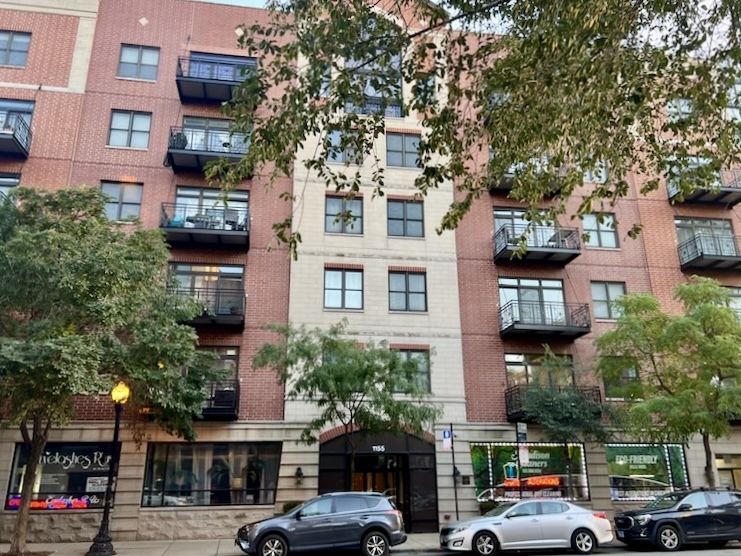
pixel 341 520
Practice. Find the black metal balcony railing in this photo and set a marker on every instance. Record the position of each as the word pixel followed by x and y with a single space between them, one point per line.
pixel 214 70
pixel 542 242
pixel 726 192
pixel 710 251
pixel 173 215
pixel 222 399
pixel 515 398
pixel 221 307
pixel 15 126
pixel 545 317
pixel 208 140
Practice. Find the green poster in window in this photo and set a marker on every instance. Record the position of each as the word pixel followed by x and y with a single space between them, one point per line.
pixel 645 471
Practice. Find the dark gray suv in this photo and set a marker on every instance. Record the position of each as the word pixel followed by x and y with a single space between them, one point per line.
pixel 343 520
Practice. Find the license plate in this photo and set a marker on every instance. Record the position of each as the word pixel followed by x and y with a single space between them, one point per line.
pixel 621 534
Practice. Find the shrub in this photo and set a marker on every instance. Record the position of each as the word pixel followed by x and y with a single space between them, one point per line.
pixel 288 506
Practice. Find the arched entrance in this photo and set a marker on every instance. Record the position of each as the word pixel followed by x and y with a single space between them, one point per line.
pixel 401 465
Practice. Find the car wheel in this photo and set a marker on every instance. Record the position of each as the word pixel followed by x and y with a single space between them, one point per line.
pixel 667 537
pixel 717 544
pixel 273 545
pixel 583 541
pixel 375 543
pixel 484 544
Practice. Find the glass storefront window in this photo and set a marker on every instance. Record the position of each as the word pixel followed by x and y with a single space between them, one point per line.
pixel 542 469
pixel 645 471
pixel 69 476
pixel 211 474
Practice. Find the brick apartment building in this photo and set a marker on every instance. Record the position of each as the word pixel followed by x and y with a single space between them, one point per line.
pixel 126 96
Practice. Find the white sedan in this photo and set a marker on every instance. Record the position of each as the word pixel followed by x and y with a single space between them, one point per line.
pixel 530 524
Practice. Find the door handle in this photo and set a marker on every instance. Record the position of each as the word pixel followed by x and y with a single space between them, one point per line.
pixel 569 518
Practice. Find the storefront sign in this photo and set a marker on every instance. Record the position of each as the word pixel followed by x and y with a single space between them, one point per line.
pixel 69 476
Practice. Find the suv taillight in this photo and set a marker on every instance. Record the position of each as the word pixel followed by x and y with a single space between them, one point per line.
pixel 601 515
pixel 398 514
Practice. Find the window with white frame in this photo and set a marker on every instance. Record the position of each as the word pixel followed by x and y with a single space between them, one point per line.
pixel 124 199
pixel 523 369
pixel 343 216
pixel 343 288
pixel 679 109
pixel 601 230
pixel 129 129
pixel 407 291
pixel 604 295
pixel 340 149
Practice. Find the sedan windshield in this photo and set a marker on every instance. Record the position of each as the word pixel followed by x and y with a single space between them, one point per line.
pixel 500 509
pixel 666 501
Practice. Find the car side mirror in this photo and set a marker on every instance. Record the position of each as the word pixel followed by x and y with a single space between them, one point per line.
pixel 297 516
pixel 684 507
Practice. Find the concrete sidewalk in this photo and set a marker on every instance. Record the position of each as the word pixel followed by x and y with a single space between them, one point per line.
pixel 422 543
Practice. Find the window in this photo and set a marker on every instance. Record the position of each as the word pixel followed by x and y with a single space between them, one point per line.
pixel 70 476
pixel 510 224
pixel 601 230
pixel 619 388
pixel 696 501
pixel 124 200
pixel 210 474
pixel 421 357
pixel 219 67
pixel 340 149
pixel 645 471
pixel 129 129
pixel 7 182
pixel 709 236
pixel 14 48
pixel 679 109
pixel 343 216
pixel 402 149
pixel 532 301
pixel 138 62
pixel 343 289
pixel 219 288
pixel 735 299
pixel 523 369
pixel 407 291
pixel 405 218
pixel 379 82
pixel 603 296
pixel 211 135
pixel 197 207
pixel 596 175
pixel 688 173
pixel 323 506
pixel 733 112
pixel 228 359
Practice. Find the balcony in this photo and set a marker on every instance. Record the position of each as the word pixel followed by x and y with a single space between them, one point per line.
pixel 515 399
pixel 222 401
pixel 726 194
pixel 549 245
pixel 710 252
pixel 540 318
pixel 209 80
pixel 193 226
pixel 190 149
pixel 222 308
pixel 15 135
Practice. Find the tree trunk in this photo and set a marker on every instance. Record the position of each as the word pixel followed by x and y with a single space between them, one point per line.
pixel 709 463
pixel 567 459
pixel 35 445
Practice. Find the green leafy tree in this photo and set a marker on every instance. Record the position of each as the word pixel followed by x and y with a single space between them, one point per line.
pixel 566 412
pixel 84 304
pixel 546 90
pixel 365 387
pixel 688 365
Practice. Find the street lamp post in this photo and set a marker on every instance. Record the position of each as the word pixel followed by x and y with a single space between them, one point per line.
pixel 102 545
